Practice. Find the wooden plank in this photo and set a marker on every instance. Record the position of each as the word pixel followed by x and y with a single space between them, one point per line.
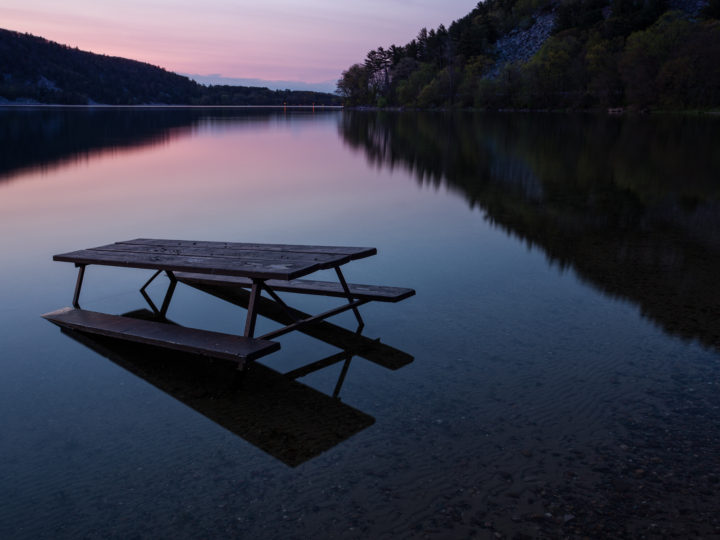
pixel 190 340
pixel 370 349
pixel 324 260
pixel 305 286
pixel 215 265
pixel 352 252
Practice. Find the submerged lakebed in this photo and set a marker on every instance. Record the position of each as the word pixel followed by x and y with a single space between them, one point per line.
pixel 556 375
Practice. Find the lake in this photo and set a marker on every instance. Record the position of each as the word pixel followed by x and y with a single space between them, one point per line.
pixel 556 375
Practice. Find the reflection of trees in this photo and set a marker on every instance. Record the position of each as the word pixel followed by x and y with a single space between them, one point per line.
pixel 631 204
pixel 42 138
pixel 47 138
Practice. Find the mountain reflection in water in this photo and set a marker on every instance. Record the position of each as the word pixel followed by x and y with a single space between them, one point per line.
pixel 49 137
pixel 630 204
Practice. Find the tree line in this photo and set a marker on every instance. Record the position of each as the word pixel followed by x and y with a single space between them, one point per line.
pixel 33 68
pixel 601 53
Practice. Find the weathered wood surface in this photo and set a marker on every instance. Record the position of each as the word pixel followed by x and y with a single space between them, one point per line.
pixel 305 286
pixel 263 261
pixel 179 263
pixel 370 349
pixel 353 252
pixel 190 340
pixel 324 260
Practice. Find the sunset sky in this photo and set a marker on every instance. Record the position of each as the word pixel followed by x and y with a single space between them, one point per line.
pixel 289 40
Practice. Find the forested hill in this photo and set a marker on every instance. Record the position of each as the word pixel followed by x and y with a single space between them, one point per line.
pixel 33 69
pixel 540 54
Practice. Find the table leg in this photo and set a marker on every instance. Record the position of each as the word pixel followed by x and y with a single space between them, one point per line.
pixel 314 318
pixel 252 308
pixel 78 286
pixel 168 293
pixel 145 295
pixel 343 373
pixel 350 297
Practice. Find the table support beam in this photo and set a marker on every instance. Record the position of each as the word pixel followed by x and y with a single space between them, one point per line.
pixel 145 295
pixel 343 373
pixel 168 293
pixel 289 328
pixel 350 297
pixel 343 356
pixel 317 365
pixel 280 302
pixel 78 286
pixel 252 308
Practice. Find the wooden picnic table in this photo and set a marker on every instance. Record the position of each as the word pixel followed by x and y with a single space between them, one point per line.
pixel 255 261
pixel 257 267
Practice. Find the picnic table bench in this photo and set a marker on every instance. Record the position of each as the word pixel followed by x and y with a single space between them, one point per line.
pixel 257 267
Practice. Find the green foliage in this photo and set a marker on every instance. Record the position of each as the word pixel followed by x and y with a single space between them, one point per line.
pixel 354 85
pixel 556 68
pixel 629 16
pixel 409 90
pixel 436 92
pixel 528 8
pixel 601 61
pixel 675 63
pixel 474 70
pixel 510 88
pixel 646 52
pixel 581 14
pixel 691 76
pixel 603 53
pixel 712 10
pixel 377 68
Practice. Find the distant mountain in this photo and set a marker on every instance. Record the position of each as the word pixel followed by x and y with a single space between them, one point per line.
pixel 215 79
pixel 552 54
pixel 33 69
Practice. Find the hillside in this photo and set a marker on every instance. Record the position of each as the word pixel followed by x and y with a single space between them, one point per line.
pixel 540 54
pixel 33 69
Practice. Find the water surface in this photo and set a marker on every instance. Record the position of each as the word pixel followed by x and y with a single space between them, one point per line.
pixel 556 374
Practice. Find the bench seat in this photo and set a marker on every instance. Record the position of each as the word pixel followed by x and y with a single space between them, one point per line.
pixel 305 286
pixel 192 340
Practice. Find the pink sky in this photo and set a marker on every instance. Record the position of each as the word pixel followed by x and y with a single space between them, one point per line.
pixel 293 40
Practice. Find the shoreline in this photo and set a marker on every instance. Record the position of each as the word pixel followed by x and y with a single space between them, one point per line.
pixel 160 106
pixel 611 111
pixel 618 111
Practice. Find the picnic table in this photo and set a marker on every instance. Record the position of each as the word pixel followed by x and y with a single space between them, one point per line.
pixel 269 268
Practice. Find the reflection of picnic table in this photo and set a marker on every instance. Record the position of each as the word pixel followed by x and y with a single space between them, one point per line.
pixel 272 411
pixel 217 267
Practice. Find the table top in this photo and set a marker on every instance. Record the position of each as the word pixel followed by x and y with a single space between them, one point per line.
pixel 261 261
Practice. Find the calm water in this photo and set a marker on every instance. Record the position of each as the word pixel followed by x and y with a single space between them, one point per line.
pixel 556 375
